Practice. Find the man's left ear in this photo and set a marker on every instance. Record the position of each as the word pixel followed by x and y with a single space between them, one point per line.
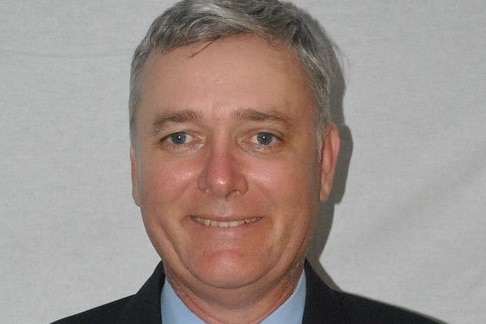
pixel 329 155
pixel 134 173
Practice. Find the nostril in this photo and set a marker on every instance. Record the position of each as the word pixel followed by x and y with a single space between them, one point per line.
pixel 222 176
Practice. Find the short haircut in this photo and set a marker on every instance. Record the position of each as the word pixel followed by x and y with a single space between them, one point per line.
pixel 191 21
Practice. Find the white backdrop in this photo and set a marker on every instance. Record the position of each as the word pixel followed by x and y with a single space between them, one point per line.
pixel 410 228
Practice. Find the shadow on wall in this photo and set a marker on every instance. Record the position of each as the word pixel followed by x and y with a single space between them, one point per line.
pixel 326 210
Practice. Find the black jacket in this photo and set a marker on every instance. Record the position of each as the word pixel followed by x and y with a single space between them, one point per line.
pixel 322 305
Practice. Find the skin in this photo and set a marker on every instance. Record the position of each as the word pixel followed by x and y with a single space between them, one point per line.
pixel 228 174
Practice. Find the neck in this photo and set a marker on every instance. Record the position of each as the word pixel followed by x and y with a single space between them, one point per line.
pixel 249 304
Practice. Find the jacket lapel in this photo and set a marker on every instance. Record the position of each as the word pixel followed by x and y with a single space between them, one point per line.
pixel 322 304
pixel 144 307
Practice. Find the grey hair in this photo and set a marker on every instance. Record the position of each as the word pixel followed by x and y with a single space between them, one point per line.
pixel 191 21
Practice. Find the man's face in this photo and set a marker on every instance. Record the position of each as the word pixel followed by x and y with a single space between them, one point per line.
pixel 225 164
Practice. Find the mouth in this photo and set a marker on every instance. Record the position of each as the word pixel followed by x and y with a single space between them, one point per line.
pixel 223 224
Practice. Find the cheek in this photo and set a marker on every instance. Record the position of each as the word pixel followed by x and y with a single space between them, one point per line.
pixel 163 180
pixel 163 186
pixel 294 197
pixel 292 191
pixel 291 182
pixel 165 190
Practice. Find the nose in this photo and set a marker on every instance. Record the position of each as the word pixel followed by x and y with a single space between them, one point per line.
pixel 222 174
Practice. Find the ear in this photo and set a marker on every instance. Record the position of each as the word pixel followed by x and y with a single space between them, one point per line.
pixel 134 172
pixel 329 155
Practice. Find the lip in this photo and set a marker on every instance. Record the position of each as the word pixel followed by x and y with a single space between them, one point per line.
pixel 215 223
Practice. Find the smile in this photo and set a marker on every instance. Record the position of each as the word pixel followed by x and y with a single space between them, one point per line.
pixel 214 223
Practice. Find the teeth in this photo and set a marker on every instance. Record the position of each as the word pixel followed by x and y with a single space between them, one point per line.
pixel 213 223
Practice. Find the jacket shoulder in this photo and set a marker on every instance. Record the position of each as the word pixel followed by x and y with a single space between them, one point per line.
pixel 141 308
pixel 363 310
pixel 325 305
pixel 108 313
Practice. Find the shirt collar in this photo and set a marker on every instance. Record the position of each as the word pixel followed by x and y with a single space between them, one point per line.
pixel 174 311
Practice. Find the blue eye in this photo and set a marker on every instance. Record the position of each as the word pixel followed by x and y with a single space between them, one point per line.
pixel 182 141
pixel 178 138
pixel 265 138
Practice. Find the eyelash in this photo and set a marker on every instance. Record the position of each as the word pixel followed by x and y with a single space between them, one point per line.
pixel 251 143
pixel 272 146
pixel 168 140
pixel 179 135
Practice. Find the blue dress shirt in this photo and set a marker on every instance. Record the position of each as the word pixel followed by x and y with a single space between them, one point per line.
pixel 174 311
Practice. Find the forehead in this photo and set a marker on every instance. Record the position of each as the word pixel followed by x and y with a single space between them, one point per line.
pixel 235 72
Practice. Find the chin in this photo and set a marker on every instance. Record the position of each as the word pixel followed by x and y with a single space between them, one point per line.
pixel 230 270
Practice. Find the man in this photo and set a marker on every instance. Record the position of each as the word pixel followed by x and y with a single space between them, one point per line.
pixel 233 149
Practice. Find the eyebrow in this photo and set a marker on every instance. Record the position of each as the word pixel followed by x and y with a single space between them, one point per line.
pixel 161 120
pixel 248 114
pixel 255 115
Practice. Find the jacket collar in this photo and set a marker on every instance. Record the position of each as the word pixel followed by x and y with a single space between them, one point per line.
pixel 321 304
